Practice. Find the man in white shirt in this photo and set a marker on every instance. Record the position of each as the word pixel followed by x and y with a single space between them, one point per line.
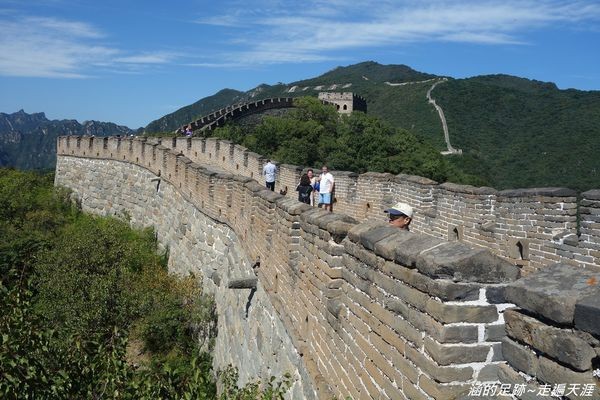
pixel 326 184
pixel 269 172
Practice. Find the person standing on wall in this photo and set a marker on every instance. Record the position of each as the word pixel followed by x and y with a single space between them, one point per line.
pixel 269 172
pixel 400 215
pixel 304 189
pixel 314 183
pixel 326 185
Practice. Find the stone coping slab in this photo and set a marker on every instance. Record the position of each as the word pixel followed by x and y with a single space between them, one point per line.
pixel 547 192
pixel 591 194
pixel 587 313
pixel 554 291
pixel 432 256
pixel 292 206
pixel 460 262
pixel 467 189
pixel 400 178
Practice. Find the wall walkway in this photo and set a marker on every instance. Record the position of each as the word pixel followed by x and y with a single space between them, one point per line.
pixel 531 228
pixel 372 312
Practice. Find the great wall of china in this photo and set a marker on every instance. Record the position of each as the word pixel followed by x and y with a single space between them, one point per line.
pixel 345 105
pixel 220 117
pixel 348 305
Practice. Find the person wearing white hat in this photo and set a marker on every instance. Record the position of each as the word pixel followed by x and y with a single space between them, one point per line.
pixel 400 215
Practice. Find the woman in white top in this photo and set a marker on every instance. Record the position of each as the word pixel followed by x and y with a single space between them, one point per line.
pixel 326 184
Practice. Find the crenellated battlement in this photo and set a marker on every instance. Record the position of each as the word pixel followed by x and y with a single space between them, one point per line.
pixel 231 113
pixel 529 227
pixel 371 311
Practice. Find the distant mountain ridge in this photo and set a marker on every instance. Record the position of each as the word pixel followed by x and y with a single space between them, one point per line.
pixel 515 132
pixel 28 141
pixel 340 75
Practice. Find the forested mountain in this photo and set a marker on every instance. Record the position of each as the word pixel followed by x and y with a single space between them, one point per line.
pixel 200 108
pixel 88 309
pixel 514 132
pixel 28 141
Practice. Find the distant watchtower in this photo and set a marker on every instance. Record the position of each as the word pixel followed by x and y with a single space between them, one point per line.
pixel 345 102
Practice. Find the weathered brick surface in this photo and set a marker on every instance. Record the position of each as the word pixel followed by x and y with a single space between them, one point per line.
pixel 454 354
pixel 554 291
pixel 520 357
pixel 375 312
pixel 557 343
pixel 501 221
pixel 440 391
pixel 587 313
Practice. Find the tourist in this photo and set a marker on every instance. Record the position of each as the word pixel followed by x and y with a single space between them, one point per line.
pixel 188 131
pixel 314 183
pixel 304 189
pixel 400 215
pixel 269 171
pixel 326 185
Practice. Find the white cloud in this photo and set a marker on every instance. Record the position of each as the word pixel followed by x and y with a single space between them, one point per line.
pixel 148 58
pixel 54 25
pixel 56 48
pixel 274 32
pixel 318 28
pixel 48 48
pixel 220 20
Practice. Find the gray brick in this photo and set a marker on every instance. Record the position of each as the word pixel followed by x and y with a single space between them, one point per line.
pixel 450 313
pixel 459 262
pixel 561 344
pixel 554 373
pixel 587 313
pixel 453 354
pixel 494 333
pixel 553 291
pixel 519 357
pixel 439 373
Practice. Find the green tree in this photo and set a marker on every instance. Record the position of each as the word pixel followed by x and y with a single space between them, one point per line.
pixel 76 291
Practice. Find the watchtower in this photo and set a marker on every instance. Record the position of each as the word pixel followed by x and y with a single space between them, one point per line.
pixel 345 102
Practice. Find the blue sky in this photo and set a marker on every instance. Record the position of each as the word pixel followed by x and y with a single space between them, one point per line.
pixel 131 62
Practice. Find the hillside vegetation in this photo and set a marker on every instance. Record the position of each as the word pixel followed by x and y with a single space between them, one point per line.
pixel 314 134
pixel 528 133
pixel 514 132
pixel 28 141
pixel 88 310
pixel 202 107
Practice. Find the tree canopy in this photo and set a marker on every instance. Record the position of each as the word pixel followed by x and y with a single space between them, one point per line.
pixel 315 134
pixel 89 310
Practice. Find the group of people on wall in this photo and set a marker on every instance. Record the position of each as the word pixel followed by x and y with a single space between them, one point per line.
pixel 319 191
pixel 313 190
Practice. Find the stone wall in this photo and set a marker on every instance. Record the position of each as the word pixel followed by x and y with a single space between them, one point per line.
pixel 250 334
pixel 372 312
pixel 528 227
pixel 231 113
pixel 552 344
pixel 345 102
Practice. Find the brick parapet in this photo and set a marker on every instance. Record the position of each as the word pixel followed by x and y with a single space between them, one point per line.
pixel 372 310
pixel 553 336
pixel 529 227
